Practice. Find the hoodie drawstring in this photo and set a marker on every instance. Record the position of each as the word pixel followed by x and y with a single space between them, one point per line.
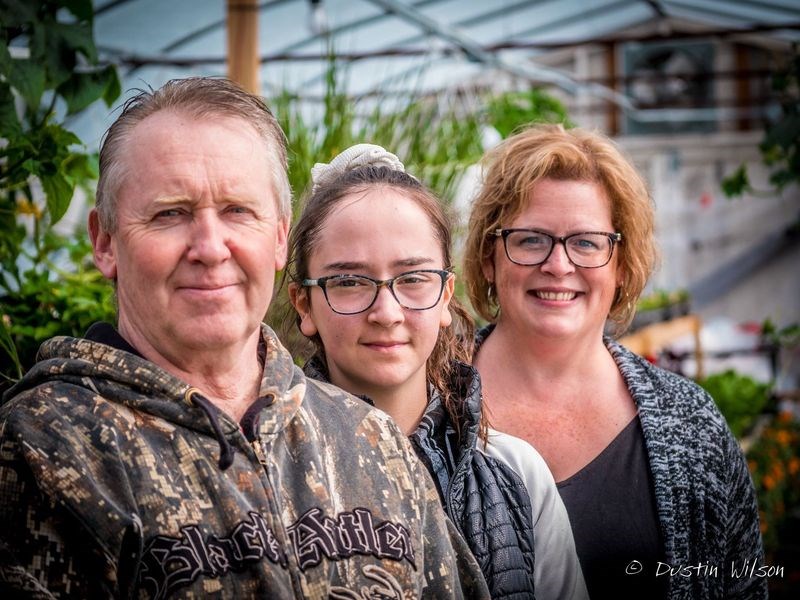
pixel 226 451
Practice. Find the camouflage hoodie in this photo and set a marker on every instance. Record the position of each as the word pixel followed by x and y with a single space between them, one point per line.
pixel 119 480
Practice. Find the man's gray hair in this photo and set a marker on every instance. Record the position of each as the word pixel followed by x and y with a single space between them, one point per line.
pixel 198 97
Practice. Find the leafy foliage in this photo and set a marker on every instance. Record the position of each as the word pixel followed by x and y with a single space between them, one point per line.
pixel 736 183
pixel 788 336
pixel 436 139
pixel 436 143
pixel 56 301
pixel 46 286
pixel 510 111
pixel 780 148
pixel 659 299
pixel 781 145
pixel 740 398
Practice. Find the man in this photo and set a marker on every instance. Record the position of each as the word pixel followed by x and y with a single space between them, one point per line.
pixel 183 454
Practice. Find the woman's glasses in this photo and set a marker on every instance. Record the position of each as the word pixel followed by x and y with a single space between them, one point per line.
pixel 529 247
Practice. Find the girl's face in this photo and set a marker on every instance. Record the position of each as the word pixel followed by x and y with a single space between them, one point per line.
pixel 379 233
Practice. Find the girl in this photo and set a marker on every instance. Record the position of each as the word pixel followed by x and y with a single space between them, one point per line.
pixel 371 283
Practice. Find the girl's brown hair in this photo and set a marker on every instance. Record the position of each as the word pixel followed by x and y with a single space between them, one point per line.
pixel 454 342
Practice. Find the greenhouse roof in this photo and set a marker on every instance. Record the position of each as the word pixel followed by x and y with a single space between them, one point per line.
pixel 402 48
pixel 404 45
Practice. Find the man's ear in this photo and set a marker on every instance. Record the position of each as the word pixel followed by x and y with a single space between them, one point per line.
pixel 281 244
pixel 103 247
pixel 298 295
pixel 447 294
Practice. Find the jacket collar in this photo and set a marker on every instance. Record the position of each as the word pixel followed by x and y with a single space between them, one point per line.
pixel 315 368
pixel 128 379
pixel 464 384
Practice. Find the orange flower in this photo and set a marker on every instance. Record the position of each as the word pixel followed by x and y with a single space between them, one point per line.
pixel 794 465
pixel 768 482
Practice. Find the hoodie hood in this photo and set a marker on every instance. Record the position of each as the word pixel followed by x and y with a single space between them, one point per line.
pixel 140 385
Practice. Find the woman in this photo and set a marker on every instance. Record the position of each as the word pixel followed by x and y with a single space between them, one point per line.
pixel 369 264
pixel 560 241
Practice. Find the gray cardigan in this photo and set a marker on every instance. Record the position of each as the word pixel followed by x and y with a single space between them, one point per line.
pixel 705 497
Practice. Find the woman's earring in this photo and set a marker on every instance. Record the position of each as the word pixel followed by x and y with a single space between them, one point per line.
pixel 491 297
pixel 624 298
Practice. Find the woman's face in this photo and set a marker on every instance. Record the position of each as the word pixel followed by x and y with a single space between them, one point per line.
pixel 556 300
pixel 379 233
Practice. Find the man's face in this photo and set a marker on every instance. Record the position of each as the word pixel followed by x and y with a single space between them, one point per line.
pixel 198 239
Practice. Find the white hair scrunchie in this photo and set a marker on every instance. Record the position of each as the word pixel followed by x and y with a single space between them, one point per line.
pixel 356 156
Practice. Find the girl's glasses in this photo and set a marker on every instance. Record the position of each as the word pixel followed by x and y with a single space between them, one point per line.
pixel 353 294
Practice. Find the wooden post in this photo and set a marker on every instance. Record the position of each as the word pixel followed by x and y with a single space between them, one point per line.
pixel 612 110
pixel 743 96
pixel 243 60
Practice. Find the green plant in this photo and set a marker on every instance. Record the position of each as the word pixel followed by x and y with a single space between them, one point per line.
pixel 57 60
pixel 48 70
pixel 780 148
pixel 659 299
pixel 740 398
pixel 512 110
pixel 788 336
pixel 435 142
pixel 56 301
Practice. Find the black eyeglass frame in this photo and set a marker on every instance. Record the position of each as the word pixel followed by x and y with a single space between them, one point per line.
pixel 322 282
pixel 614 238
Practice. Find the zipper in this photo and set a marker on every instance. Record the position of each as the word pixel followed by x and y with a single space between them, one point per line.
pixel 282 534
pixel 256 445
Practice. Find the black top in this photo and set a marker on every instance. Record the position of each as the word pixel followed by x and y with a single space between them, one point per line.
pixel 105 333
pixel 612 509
